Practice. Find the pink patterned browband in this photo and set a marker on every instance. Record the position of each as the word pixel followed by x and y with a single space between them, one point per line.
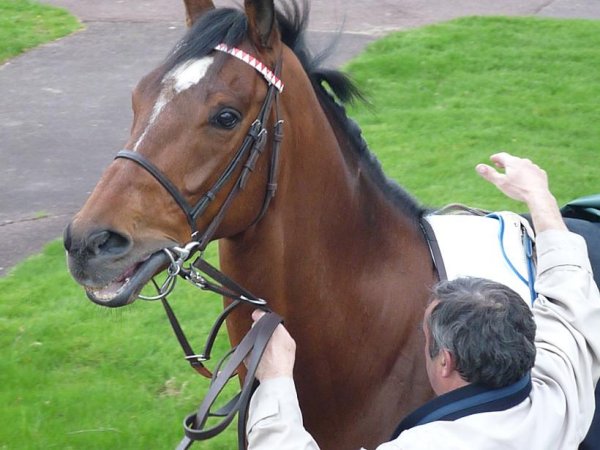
pixel 251 60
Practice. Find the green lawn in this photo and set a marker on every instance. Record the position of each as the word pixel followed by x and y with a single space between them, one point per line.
pixel 25 24
pixel 445 97
pixel 76 376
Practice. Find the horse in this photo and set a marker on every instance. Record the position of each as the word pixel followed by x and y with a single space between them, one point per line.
pixel 309 222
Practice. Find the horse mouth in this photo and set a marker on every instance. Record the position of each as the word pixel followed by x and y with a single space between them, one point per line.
pixel 125 289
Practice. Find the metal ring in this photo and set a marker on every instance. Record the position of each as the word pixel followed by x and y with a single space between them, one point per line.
pixel 257 301
pixel 169 283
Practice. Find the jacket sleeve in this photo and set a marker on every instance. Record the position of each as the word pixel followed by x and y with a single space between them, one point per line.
pixel 275 420
pixel 567 315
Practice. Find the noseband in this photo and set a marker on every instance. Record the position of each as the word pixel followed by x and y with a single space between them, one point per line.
pixel 250 150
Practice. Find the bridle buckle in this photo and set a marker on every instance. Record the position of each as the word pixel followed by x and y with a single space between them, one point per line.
pixel 196 358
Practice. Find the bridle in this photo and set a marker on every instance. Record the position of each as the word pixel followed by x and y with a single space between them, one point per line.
pixel 251 148
pixel 201 273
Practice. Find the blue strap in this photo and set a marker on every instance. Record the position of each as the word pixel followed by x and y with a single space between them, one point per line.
pixel 528 243
pixel 529 282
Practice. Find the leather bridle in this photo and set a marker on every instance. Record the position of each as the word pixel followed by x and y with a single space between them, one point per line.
pixel 251 149
pixel 254 343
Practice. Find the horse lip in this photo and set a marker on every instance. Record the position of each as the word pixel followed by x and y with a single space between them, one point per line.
pixel 128 293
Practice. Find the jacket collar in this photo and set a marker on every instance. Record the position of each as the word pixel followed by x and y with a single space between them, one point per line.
pixel 465 401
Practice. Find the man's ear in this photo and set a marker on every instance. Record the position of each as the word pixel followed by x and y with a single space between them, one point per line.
pixel 447 363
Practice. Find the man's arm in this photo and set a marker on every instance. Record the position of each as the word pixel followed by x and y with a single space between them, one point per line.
pixel 567 314
pixel 567 311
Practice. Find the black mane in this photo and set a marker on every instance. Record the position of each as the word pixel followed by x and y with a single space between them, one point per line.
pixel 333 87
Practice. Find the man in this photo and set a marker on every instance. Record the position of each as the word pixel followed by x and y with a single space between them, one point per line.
pixel 481 345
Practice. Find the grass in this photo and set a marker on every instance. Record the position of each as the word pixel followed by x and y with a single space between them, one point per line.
pixel 25 24
pixel 76 376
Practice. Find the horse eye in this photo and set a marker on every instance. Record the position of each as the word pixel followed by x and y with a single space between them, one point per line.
pixel 227 118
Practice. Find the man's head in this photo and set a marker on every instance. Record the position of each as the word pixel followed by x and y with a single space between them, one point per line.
pixel 477 331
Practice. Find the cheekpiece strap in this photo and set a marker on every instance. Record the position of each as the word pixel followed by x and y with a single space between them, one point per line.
pixel 252 61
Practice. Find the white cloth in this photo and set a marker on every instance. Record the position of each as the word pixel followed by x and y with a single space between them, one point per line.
pixel 557 413
pixel 471 246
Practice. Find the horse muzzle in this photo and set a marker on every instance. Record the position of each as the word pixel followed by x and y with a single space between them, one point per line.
pixel 105 263
pixel 126 288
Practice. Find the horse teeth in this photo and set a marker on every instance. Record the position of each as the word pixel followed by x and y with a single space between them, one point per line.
pixel 110 291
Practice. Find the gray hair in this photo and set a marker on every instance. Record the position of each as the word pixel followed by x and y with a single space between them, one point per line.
pixel 486 326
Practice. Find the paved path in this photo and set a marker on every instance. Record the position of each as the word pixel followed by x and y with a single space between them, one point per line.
pixel 65 106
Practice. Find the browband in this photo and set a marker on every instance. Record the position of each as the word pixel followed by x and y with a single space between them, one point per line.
pixel 252 61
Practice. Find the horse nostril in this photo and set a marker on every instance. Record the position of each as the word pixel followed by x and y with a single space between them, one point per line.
pixel 106 242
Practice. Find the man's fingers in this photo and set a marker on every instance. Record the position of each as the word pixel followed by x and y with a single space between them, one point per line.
pixel 489 173
pixel 502 159
pixel 257 314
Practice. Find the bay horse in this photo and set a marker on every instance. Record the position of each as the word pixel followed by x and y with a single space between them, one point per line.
pixel 338 252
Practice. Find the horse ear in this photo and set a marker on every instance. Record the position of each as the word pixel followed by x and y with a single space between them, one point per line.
pixel 261 21
pixel 195 8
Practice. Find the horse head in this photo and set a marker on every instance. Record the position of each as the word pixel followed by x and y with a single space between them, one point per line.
pixel 194 140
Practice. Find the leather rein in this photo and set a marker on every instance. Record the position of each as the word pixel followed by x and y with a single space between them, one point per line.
pixel 204 276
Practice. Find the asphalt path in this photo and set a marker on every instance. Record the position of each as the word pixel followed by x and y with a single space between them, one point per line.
pixel 65 106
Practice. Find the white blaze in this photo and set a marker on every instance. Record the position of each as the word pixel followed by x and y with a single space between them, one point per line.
pixel 177 80
pixel 189 73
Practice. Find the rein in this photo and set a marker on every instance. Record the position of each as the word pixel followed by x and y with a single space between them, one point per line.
pixel 204 276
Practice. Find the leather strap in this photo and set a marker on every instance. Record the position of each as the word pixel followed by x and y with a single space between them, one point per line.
pixel 251 148
pixel 250 349
pixel 227 288
pixel 162 179
pixel 434 248
pixel 195 360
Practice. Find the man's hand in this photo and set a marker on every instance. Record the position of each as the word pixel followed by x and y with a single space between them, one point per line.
pixel 524 181
pixel 279 356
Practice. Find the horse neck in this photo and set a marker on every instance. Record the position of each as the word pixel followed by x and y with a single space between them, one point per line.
pixel 328 214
